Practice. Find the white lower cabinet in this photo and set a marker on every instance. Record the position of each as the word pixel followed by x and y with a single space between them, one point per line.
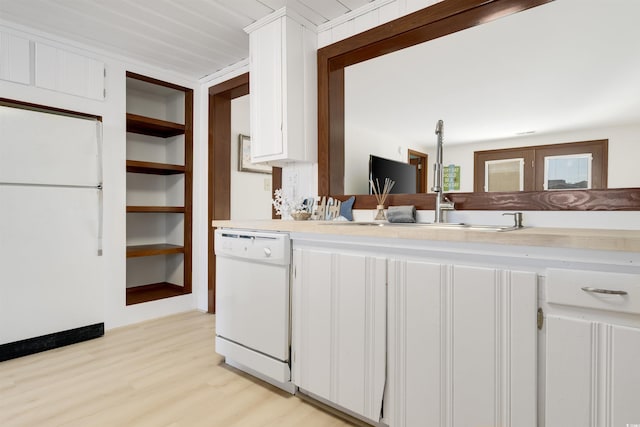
pixel 592 375
pixel 592 348
pixel 461 346
pixel 426 335
pixel 339 328
pixel 445 345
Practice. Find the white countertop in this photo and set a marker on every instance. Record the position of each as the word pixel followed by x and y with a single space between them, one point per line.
pixel 575 238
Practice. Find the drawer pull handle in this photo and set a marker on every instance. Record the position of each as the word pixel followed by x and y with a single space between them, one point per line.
pixel 603 291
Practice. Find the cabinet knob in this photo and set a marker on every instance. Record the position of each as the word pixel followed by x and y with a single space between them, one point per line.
pixel 267 252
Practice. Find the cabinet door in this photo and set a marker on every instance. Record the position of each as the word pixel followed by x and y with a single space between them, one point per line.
pixel 283 83
pixel 417 369
pixel 462 345
pixel 624 376
pixel 339 326
pixel 569 377
pixel 15 61
pixel 494 347
pixel 591 373
pixel 67 72
pixel 266 87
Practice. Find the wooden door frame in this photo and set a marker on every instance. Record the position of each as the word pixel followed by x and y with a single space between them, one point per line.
pixel 219 189
pixel 219 182
pixel 423 173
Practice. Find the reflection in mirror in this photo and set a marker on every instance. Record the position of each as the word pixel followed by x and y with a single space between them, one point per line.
pixel 565 172
pixel 562 72
pixel 504 175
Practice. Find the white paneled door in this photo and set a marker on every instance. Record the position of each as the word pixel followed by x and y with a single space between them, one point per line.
pixel 462 346
pixel 339 324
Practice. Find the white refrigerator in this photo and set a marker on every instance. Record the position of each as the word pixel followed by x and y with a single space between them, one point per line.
pixel 51 281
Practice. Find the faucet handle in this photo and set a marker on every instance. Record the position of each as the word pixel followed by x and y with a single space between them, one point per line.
pixel 517 218
pixel 447 204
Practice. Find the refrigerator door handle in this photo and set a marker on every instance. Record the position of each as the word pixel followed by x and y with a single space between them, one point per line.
pixel 41 184
pixel 99 153
pixel 100 218
pixel 99 186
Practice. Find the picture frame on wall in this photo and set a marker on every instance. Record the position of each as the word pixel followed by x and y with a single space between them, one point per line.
pixel 244 157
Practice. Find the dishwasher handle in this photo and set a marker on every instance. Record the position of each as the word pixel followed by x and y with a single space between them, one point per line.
pixel 246 236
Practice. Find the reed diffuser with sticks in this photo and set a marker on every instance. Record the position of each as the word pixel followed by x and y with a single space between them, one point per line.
pixel 381 196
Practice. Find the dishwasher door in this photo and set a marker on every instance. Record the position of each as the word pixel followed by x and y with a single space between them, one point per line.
pixel 252 292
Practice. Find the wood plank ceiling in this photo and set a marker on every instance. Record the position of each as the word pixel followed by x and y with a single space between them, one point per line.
pixel 191 37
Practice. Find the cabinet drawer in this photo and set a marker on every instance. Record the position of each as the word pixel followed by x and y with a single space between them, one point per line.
pixel 594 289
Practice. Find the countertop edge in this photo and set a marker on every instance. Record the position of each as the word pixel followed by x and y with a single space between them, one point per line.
pixel 570 238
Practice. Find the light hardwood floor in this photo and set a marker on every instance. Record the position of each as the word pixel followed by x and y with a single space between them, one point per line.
pixel 163 372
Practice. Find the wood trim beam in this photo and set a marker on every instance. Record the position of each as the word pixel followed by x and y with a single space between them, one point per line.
pixel 233 88
pixel 219 180
pixel 14 103
pixel 188 189
pixel 276 182
pixel 156 81
pixel 617 199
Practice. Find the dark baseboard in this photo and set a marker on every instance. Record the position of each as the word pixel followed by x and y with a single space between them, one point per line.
pixel 50 341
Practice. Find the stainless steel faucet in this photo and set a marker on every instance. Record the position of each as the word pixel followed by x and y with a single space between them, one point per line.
pixel 442 203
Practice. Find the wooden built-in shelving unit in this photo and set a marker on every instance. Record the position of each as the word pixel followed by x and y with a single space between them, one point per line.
pixel 159 189
pixel 156 209
pixel 154 127
pixel 153 168
pixel 154 291
pixel 154 249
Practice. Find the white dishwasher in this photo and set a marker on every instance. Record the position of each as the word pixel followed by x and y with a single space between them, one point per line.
pixel 253 303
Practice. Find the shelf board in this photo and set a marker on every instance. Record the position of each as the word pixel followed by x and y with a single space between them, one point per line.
pixel 157 209
pixel 153 168
pixel 154 127
pixel 152 250
pixel 154 291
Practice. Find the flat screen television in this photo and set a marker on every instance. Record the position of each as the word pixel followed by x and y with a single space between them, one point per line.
pixel 404 174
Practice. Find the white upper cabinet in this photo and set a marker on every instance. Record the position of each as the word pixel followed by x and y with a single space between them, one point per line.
pixel 37 64
pixel 14 59
pixel 283 86
pixel 67 72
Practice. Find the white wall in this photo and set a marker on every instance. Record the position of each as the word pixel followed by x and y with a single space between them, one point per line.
pixel 250 191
